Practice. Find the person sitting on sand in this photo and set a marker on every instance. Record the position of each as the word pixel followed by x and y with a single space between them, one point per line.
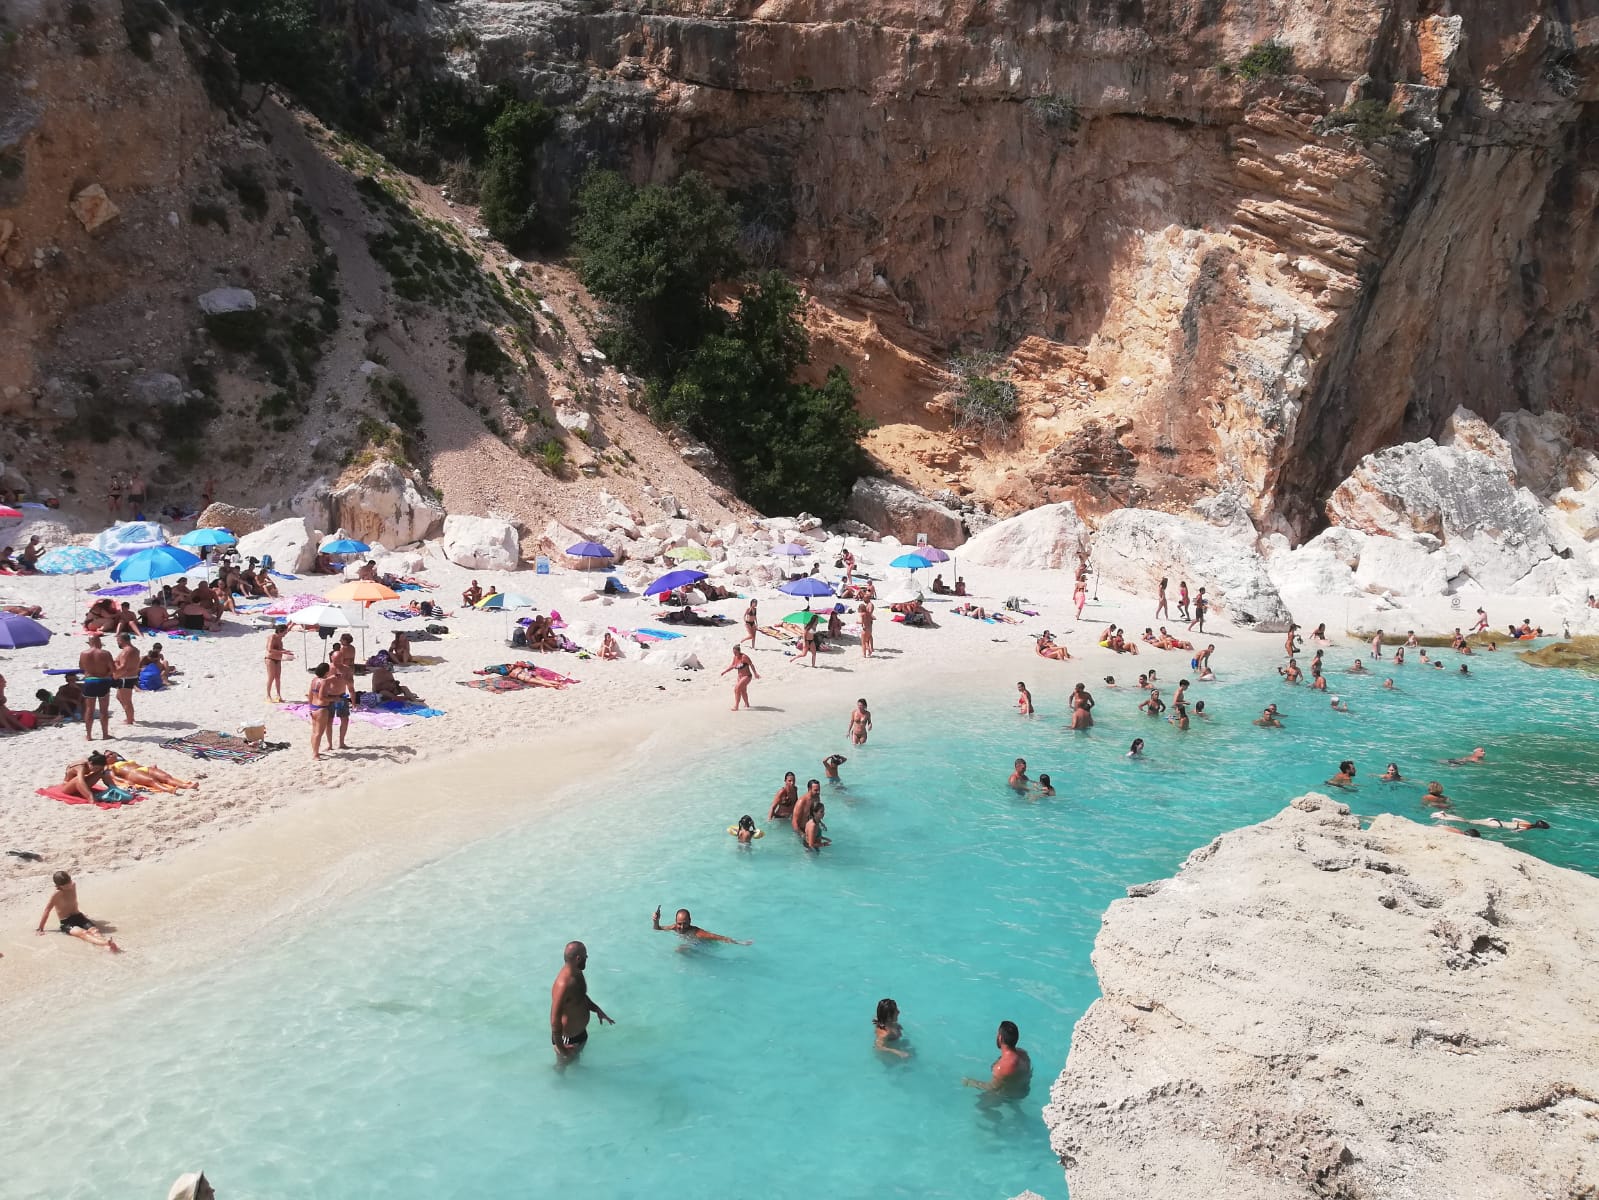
pixel 1167 642
pixel 156 618
pixel 126 773
pixel 683 923
pixel 400 649
pixel 8 562
pixel 1476 756
pixel 960 586
pixel 83 777
pixel 64 904
pixel 28 560
pixel 1513 824
pixel 1391 775
pixel 1018 777
pixel 163 670
pixel 387 687
pixel 1047 647
pixel 1435 797
pixel 940 588
pixel 1269 719
pixel 609 650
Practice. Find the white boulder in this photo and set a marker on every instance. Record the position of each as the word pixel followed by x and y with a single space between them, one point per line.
pixel 1047 538
pixel 227 300
pixel 385 506
pixel 895 509
pixel 50 532
pixel 481 543
pixel 1392 566
pixel 575 420
pixel 291 542
pixel 1311 571
pixel 400 563
pixel 1134 547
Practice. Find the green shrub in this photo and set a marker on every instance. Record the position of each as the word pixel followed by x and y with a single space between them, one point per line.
pixel 985 402
pixel 252 193
pixel 1056 112
pixel 240 332
pixel 552 454
pixel 1266 58
pixel 1366 120
pixel 505 187
pixel 483 354
pixel 209 212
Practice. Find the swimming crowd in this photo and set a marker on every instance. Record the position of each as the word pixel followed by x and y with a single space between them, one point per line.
pixel 1010 1076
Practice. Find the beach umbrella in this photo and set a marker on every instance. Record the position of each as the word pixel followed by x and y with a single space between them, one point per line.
pixel 589 550
pixel 673 579
pixel 809 586
pixel 791 550
pixel 7 513
pixel 800 618
pixel 689 554
pixel 155 563
pixel 207 537
pixel 366 592
pixel 932 554
pixel 506 600
pixel 910 562
pixel 344 546
pixel 72 560
pixel 17 631
pixel 326 616
pixel 900 596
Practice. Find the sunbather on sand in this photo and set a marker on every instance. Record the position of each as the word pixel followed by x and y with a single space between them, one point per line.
pixel 609 650
pixel 84 776
pixel 127 773
pixel 1047 647
pixel 529 674
pixel 384 684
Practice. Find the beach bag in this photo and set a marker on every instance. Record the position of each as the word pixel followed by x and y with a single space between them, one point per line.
pixel 150 678
pixel 519 638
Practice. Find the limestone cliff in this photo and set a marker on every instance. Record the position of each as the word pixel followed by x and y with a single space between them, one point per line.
pixel 1312 1009
pixel 1204 281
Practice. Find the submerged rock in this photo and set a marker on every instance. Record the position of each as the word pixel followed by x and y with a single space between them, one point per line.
pixel 1581 653
pixel 1314 1009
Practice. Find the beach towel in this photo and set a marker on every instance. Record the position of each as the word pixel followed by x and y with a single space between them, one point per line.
pixel 397 614
pixel 409 709
pixel 382 720
pixel 661 635
pixel 783 633
pixel 60 793
pixel 219 747
pixel 496 683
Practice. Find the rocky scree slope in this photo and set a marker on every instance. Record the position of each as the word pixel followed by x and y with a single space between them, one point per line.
pixel 1209 270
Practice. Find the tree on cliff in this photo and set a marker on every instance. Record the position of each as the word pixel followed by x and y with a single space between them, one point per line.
pixel 506 185
pixel 654 255
pixel 272 41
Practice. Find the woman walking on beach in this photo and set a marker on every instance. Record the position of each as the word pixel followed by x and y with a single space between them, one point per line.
pixel 321 707
pixel 275 654
pixel 750 624
pixel 741 682
pixel 866 615
pixel 1160 601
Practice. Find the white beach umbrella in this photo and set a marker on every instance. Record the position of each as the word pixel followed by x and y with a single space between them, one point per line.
pixel 325 616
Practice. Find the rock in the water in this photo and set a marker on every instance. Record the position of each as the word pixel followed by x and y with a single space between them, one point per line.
pixel 481 543
pixel 894 509
pixel 1045 538
pixel 93 207
pixel 1134 547
pixel 226 300
pixel 385 506
pixel 291 542
pixel 236 520
pixel 1313 1009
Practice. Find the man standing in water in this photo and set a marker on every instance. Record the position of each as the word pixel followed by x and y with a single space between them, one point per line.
pixel 683 923
pixel 570 1006
pixel 1013 1069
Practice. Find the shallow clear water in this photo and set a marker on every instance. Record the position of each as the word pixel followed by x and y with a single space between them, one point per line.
pixel 400 1049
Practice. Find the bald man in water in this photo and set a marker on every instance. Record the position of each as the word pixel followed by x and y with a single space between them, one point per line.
pixel 570 1006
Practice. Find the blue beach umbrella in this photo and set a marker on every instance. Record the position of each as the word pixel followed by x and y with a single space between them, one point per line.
pixel 155 563
pixel 589 550
pixel 17 631
pixel 673 579
pixel 809 586
pixel 910 562
pixel 72 560
pixel 345 546
pixel 506 600
pixel 207 537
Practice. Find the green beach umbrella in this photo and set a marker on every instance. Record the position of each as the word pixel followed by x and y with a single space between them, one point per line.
pixel 800 618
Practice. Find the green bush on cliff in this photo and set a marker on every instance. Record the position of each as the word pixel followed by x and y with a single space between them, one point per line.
pixel 985 401
pixel 1264 59
pixel 272 41
pixel 505 188
pixel 1367 120
pixel 654 255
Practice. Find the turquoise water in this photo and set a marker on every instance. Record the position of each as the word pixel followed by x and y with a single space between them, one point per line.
pixel 400 1049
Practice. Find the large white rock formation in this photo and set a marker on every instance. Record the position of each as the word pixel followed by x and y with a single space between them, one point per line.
pixel 1134 547
pixel 1049 537
pixel 291 542
pixel 481 543
pixel 385 506
pixel 1312 1009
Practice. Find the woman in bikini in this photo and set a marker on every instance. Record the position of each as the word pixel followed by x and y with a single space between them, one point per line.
pixel 784 801
pixel 609 650
pixel 1046 647
pixel 750 623
pixel 741 682
pixel 127 773
pixel 275 654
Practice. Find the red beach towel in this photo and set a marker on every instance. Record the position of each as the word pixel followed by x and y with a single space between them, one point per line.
pixel 66 797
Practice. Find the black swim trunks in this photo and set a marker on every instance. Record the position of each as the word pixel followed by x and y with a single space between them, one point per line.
pixel 562 1042
pixel 93 689
pixel 126 685
pixel 76 921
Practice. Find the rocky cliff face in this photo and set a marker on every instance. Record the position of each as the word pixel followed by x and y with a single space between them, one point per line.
pixel 1201 286
pixel 1313 1009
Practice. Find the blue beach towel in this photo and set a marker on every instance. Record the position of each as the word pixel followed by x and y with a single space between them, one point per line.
pixel 665 635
